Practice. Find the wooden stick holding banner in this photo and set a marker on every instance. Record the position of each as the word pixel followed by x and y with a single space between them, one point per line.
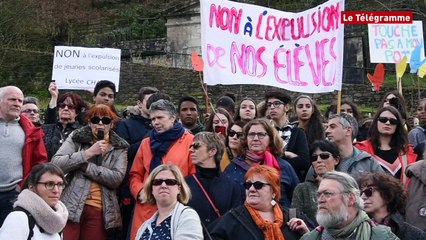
pixel 198 65
pixel 339 101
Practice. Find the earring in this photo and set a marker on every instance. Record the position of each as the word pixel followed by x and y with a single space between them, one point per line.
pixel 273 202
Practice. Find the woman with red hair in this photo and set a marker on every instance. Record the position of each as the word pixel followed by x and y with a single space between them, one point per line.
pixel 95 159
pixel 260 217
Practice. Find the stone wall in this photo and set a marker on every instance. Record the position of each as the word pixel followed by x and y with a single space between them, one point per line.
pixel 178 82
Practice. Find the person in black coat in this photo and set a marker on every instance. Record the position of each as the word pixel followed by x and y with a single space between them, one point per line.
pixel 206 152
pixel 385 201
pixel 70 106
pixel 260 218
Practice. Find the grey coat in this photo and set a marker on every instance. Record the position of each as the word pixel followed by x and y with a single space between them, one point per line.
pixel 109 175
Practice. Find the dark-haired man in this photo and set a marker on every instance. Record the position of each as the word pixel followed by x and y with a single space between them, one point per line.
pixel 295 141
pixel 188 114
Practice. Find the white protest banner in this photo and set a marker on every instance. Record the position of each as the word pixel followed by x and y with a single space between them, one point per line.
pixel 81 68
pixel 248 44
pixel 389 43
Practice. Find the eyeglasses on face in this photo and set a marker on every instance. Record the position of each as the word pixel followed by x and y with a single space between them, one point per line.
pixel 257 185
pixel 368 192
pixel 327 194
pixel 51 185
pixel 97 120
pixel 323 156
pixel 63 105
pixel 30 111
pixel 232 133
pixel 195 145
pixel 169 182
pixel 260 135
pixel 392 121
pixel 275 104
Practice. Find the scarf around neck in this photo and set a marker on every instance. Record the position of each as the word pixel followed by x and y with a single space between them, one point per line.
pixel 271 230
pixel 51 220
pixel 360 224
pixel 265 157
pixel 161 142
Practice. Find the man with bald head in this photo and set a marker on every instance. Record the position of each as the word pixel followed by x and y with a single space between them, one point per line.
pixel 21 147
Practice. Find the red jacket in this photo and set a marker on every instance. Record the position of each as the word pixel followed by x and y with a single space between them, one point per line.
pixel 409 153
pixel 34 151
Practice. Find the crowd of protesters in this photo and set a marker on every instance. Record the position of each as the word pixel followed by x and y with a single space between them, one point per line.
pixel 277 169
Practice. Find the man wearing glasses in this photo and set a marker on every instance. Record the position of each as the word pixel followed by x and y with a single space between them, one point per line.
pixel 21 147
pixel 340 213
pixel 31 110
pixel 296 149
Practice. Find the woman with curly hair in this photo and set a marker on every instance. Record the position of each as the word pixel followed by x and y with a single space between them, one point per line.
pixel 384 201
pixel 309 118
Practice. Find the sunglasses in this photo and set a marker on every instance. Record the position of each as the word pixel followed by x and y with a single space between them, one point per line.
pixel 323 156
pixel 63 105
pixel 195 145
pixel 392 121
pixel 232 133
pixel 97 120
pixel 169 182
pixel 257 185
pixel 368 192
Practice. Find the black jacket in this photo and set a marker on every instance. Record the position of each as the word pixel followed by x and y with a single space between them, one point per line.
pixel 55 135
pixel 403 230
pixel 238 224
pixel 225 195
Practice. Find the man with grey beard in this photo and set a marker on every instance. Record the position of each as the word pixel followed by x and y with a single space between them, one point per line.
pixel 340 213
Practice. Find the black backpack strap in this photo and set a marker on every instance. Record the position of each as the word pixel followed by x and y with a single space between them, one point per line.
pixel 31 221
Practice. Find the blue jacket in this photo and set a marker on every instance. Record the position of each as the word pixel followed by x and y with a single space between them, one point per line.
pixel 237 169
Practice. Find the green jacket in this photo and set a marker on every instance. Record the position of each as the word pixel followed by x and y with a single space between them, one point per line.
pixel 378 232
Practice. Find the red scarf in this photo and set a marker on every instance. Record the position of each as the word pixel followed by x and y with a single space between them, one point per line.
pixel 266 157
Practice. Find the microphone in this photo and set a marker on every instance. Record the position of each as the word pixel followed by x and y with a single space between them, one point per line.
pixel 100 136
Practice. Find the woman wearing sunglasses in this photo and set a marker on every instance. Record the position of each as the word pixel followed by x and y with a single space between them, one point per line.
pixel 387 142
pixel 166 188
pixel 385 201
pixel 69 106
pixel 38 213
pixel 324 157
pixel 260 144
pixel 212 193
pixel 95 159
pixel 261 217
pixel 232 143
